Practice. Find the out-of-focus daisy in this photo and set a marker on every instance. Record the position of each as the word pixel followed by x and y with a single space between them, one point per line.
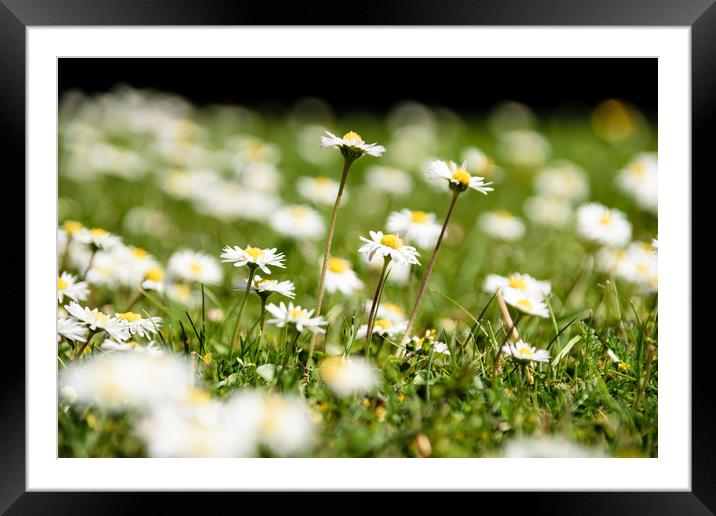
pixel 548 211
pixel 319 190
pixel 348 376
pixel 182 293
pixel 597 223
pixel 522 283
pixel 390 180
pixel 523 351
pixel 266 287
pixel 524 148
pixel 71 329
pixel 548 447
pixel 67 285
pixel 383 327
pixel 419 227
pixel 457 177
pixel 528 304
pixel 154 279
pixel 253 257
pixel 609 259
pixel 296 316
pixel 640 180
pixel 502 224
pixel 623 366
pixel 351 145
pixel 196 266
pixel 111 345
pixel 138 325
pixel 655 244
pixel 430 339
pixel 640 266
pixel 398 274
pixel 300 222
pixel 478 163
pixel 390 245
pixel 98 238
pixel 98 320
pixel 562 180
pixel 341 277
pixel 389 311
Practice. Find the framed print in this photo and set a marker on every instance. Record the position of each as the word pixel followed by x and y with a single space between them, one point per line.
pixel 411 251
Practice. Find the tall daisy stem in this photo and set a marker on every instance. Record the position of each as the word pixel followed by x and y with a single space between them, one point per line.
pixel 249 282
pixel 511 327
pixel 89 264
pixel 329 241
pixel 429 269
pixel 374 306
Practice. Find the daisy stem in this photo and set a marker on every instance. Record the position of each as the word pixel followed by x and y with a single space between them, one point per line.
pixel 262 315
pixel 86 343
pixel 513 335
pixel 249 282
pixel 429 269
pixel 326 253
pixel 89 264
pixel 374 306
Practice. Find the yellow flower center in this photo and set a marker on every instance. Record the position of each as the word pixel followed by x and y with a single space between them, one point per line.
pixel 525 352
pixel 338 265
pixel 139 253
pixel 419 216
pixel 182 291
pixel 254 252
pixel 72 227
pixel 130 316
pixel 606 219
pixel 393 308
pixel 197 397
pixel 642 268
pixel 525 303
pixel 623 366
pixel 392 241
pixel 323 181
pixel 504 213
pixel 639 169
pixel 517 282
pixel 352 138
pixel 386 324
pixel 299 212
pixel 98 232
pixel 154 274
pixel 61 284
pixel 101 318
pixel 295 313
pixel 196 267
pixel 461 176
pixel 273 407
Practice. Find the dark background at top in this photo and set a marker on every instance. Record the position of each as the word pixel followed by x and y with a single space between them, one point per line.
pixel 465 84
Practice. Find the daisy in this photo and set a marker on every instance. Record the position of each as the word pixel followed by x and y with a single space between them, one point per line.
pixel 319 190
pixel 300 222
pixel 137 325
pixel 529 304
pixel 253 257
pixel 195 266
pixel 389 245
pixel 266 287
pixel 97 238
pixel 71 329
pixel 599 224
pixel 182 293
pixel 522 283
pixel 548 447
pixel 417 226
pixel 548 211
pixel 523 351
pixel 503 225
pixel 348 376
pixel 390 180
pixel 430 338
pixel 111 345
pixel 383 327
pixel 389 311
pixel 97 320
pixel 639 179
pixel 296 316
pixel 562 180
pixel 478 163
pixel 458 178
pixel 640 266
pixel 67 285
pixel 524 148
pixel 351 145
pixel 341 277
pixel 154 279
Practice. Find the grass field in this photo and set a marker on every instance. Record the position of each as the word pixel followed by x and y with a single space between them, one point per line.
pixel 166 177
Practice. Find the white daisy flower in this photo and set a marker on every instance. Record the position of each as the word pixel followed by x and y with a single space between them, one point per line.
pixel 154 279
pixel 548 447
pixel 640 266
pixel 348 376
pixel 195 266
pixel 503 225
pixel 610 260
pixel 390 180
pixel 529 304
pixel 524 148
pixel 522 283
pixel 98 238
pixel 523 351
pixel 389 245
pixel 548 211
pixel 183 294
pixel 302 222
pixel 151 349
pixel 597 223
pixel 253 257
pixel 655 244
pixel 384 328
pixel 319 190
pixel 98 320
pixel 67 285
pixel 398 274
pixel 389 311
pixel 138 325
pixel 562 180
pixel 351 144
pixel 613 356
pixel 477 162
pixel 419 227
pixel 268 286
pixel 639 179
pixel 430 337
pixel 341 277
pixel 71 329
pixel 296 316
pixel 458 178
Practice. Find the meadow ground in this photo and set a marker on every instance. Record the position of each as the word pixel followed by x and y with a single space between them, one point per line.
pixel 560 254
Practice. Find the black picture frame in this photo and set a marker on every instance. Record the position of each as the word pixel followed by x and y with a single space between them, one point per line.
pixel 700 15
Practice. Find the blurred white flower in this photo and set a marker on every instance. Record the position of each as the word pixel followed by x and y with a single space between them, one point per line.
pixel 98 238
pixel 597 223
pixel 71 329
pixel 319 190
pixel 562 180
pixel 195 266
pixel 296 316
pixel 269 286
pixel 98 320
pixel 528 304
pixel 383 327
pixel 390 180
pixel 524 147
pixel 547 447
pixel 522 283
pixel 502 224
pixel 348 376
pixel 138 325
pixel 417 227
pixel 548 211
pixel 67 285
pixel 340 276
pixel 523 351
pixel 639 179
pixel 301 222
